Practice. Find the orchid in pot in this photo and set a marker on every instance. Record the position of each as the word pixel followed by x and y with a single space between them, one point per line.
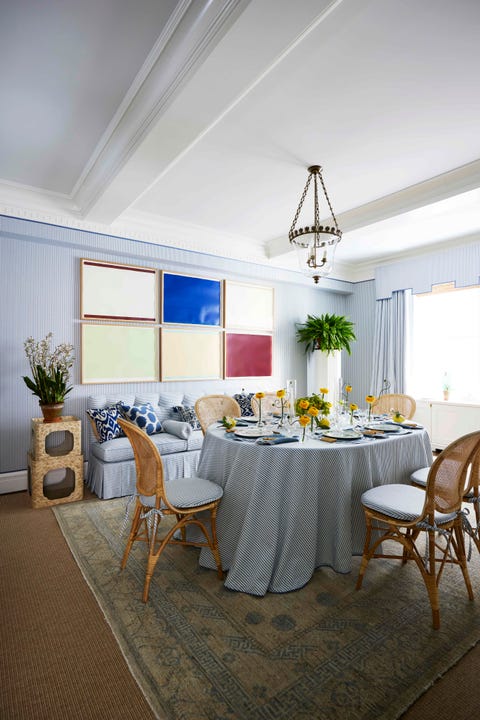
pixel 50 370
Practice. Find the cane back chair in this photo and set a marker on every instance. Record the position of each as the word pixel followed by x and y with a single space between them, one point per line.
pixel 211 408
pixel 155 498
pixel 404 513
pixel 405 404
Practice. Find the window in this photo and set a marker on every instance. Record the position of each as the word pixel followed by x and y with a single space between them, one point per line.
pixel 445 344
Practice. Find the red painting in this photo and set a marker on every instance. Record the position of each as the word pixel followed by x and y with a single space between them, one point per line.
pixel 248 355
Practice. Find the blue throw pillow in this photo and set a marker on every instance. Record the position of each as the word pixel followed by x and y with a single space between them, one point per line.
pixel 244 400
pixel 183 413
pixel 142 415
pixel 106 424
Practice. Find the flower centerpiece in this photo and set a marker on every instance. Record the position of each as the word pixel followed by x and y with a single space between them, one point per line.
pixel 282 397
pixel 259 396
pixel 315 408
pixel 50 374
pixel 304 421
pixel 353 407
pixel 370 399
pixel 229 423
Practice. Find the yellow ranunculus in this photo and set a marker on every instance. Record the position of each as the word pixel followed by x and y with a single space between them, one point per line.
pixel 329 404
pixel 312 410
pixel 370 399
pixel 259 395
pixel 348 388
pixel 324 423
pixel 304 420
pixel 303 403
pixel 281 393
pixel 353 407
pixel 324 391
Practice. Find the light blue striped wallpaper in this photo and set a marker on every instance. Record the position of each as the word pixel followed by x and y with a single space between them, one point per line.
pixel 40 292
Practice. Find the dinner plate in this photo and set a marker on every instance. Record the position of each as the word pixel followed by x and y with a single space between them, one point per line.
pixel 342 434
pixel 251 432
pixel 384 427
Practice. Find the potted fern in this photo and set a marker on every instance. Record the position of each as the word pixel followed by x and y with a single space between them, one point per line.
pixel 328 333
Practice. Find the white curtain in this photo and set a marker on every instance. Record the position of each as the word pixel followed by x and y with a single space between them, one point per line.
pixel 390 342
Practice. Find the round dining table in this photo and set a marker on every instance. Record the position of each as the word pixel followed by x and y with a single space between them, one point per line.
pixel 290 508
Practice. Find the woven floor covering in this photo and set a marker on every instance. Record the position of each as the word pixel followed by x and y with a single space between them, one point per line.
pixel 200 651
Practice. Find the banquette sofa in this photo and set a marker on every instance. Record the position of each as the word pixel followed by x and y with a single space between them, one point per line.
pixel 169 419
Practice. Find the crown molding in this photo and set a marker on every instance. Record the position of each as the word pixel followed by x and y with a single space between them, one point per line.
pixel 192 31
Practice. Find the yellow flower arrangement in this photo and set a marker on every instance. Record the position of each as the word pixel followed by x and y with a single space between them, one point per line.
pixel 303 420
pixel 313 412
pixel 324 423
pixel 353 407
pixel 370 399
pixel 259 396
pixel 228 423
pixel 281 395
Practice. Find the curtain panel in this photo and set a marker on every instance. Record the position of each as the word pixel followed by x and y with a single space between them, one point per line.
pixel 389 344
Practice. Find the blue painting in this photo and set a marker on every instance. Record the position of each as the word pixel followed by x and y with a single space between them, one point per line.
pixel 191 300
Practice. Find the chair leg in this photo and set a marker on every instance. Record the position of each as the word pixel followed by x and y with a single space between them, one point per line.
pixel 133 534
pixel 430 579
pixel 462 558
pixel 215 550
pixel 365 556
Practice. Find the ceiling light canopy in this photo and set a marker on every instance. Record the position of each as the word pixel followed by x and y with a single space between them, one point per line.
pixel 315 244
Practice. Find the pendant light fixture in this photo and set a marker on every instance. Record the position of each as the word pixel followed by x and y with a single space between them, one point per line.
pixel 315 244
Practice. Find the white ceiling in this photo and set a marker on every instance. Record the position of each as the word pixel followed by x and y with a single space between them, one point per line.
pixel 192 122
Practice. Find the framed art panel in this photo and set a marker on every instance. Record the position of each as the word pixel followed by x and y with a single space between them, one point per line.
pixel 118 292
pixel 119 353
pixel 248 355
pixel 190 354
pixel 248 307
pixel 189 300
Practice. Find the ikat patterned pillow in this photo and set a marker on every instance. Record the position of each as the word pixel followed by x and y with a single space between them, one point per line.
pixel 142 415
pixel 244 400
pixel 183 413
pixel 105 420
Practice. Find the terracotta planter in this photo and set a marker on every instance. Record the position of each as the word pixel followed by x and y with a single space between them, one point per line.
pixel 52 413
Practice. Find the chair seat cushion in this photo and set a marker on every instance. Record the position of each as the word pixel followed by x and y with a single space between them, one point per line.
pixel 187 492
pixel 400 502
pixel 419 477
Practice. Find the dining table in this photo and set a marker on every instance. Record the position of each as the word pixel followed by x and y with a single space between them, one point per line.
pixel 292 507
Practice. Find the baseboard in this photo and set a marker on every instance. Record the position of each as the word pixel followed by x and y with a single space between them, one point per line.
pixel 13 482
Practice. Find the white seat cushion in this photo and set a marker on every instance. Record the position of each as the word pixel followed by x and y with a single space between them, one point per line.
pixel 419 477
pixel 187 492
pixel 402 502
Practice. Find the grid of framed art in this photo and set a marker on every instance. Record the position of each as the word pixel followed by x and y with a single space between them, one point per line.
pixel 142 324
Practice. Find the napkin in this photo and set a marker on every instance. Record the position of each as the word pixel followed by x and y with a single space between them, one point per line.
pixel 277 440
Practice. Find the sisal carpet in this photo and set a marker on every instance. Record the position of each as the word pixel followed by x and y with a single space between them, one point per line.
pixel 199 651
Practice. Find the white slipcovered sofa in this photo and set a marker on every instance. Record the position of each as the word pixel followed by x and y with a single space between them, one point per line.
pixel 111 465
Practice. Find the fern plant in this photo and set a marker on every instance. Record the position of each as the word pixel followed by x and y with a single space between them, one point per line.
pixel 327 333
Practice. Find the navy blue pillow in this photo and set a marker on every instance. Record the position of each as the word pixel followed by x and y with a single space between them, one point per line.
pixel 142 415
pixel 105 420
pixel 244 400
pixel 183 413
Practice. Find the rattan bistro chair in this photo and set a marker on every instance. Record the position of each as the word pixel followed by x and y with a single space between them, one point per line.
pixel 404 513
pixel 184 498
pixel 269 404
pixel 211 408
pixel 471 495
pixel 405 404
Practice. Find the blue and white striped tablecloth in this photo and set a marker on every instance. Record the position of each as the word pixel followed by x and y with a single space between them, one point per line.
pixel 288 509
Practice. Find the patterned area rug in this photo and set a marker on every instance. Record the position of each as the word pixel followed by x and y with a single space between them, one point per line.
pixel 200 651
